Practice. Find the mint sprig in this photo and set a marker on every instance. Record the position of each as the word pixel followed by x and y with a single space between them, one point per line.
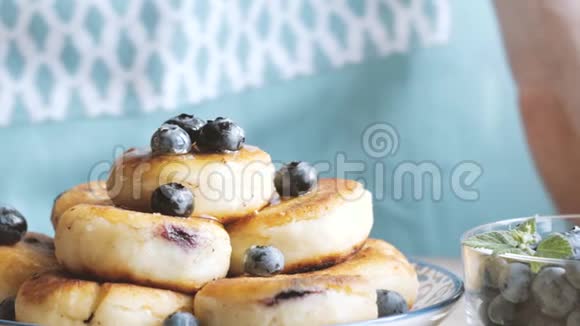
pixel 521 241
pixel 529 226
pixel 516 241
pixel 555 245
pixel 494 240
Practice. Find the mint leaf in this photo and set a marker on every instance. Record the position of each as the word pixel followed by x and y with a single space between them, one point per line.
pixel 516 241
pixel 525 233
pixel 525 239
pixel 495 241
pixel 555 245
pixel 529 226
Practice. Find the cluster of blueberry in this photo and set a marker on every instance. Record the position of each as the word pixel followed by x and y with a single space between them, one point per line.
pixel 513 294
pixel 185 132
pixel 181 135
pixel 13 227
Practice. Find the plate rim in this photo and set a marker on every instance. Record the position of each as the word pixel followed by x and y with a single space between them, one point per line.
pixel 450 302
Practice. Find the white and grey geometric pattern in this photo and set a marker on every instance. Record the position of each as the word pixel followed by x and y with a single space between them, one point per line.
pixel 62 59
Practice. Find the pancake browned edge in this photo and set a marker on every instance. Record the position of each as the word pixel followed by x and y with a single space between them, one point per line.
pixel 227 186
pixel 33 254
pixel 94 193
pixel 340 294
pixel 57 299
pixel 314 231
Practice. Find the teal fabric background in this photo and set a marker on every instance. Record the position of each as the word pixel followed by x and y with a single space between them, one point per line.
pixel 449 104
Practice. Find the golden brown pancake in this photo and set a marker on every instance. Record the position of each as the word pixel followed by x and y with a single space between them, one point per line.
pixel 226 186
pixel 94 193
pixel 385 267
pixel 114 244
pixel 286 300
pixel 340 294
pixel 58 299
pixel 33 254
pixel 317 230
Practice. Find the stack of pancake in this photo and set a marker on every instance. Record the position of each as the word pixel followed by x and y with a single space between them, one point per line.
pixel 122 264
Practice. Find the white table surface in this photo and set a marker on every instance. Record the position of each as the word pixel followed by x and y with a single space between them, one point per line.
pixel 457 317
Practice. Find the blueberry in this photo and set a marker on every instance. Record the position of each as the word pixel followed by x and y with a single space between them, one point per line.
pixel 181 319
pixel 295 179
pixel 514 282
pixel 263 261
pixel 493 267
pixel 482 311
pixel 501 312
pixel 485 295
pixel 172 199
pixel 525 312
pixel 7 309
pixel 170 139
pixel 13 226
pixel 552 292
pixel 220 135
pixel 189 123
pixel 573 318
pixel 488 293
pixel 573 274
pixel 390 303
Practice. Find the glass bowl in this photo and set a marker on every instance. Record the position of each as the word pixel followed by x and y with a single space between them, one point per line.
pixel 550 299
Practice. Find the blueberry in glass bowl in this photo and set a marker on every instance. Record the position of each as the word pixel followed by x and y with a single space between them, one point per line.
pixel 523 271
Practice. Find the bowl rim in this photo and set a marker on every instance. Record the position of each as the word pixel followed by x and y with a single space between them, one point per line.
pixel 526 258
pixel 459 290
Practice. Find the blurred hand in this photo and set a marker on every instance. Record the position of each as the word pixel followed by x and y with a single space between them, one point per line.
pixel 542 38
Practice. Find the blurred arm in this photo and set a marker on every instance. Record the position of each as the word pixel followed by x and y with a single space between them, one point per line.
pixel 542 38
